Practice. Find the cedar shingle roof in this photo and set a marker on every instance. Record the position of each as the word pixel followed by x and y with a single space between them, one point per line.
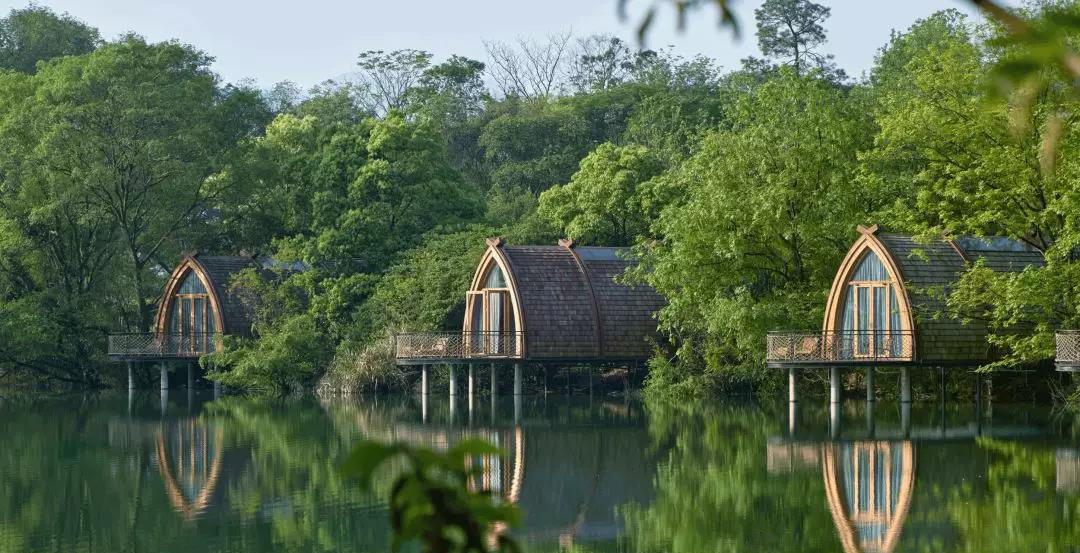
pixel 574 308
pixel 220 268
pixel 930 269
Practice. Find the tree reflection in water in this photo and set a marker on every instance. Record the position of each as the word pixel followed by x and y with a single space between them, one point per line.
pixel 242 475
pixel 735 479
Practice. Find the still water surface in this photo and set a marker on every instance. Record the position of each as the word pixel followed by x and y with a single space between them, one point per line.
pixel 189 474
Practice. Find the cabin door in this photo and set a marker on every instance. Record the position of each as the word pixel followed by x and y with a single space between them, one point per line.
pixel 873 316
pixel 497 320
pixel 193 323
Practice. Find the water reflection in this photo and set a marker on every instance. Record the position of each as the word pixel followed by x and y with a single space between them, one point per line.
pixel 185 473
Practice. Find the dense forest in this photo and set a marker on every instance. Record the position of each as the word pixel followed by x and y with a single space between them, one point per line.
pixel 739 190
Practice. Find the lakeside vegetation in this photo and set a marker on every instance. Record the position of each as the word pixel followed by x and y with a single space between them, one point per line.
pixel 738 188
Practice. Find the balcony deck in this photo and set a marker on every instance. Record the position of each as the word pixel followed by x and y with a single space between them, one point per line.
pixel 1067 357
pixel 153 346
pixel 425 348
pixel 832 349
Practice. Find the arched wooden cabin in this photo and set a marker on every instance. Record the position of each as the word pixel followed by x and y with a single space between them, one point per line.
pixel 546 303
pixel 886 299
pixel 196 308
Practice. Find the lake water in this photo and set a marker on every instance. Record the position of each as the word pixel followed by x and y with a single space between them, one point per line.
pixel 188 474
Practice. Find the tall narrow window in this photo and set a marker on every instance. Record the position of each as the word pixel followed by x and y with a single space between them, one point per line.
pixel 490 321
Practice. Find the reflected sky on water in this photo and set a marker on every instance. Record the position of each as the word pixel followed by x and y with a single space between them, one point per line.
pixel 186 472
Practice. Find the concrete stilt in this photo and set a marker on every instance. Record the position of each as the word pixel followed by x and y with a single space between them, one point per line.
pixel 517 379
pixel 517 408
pixel 834 419
pixel 453 381
pixel 131 400
pixel 191 376
pixel 905 385
pixel 131 375
pixel 978 390
pixel 423 407
pixel 870 392
pixel 590 381
pixel 424 380
pixel 472 382
pixel 793 418
pixel 870 421
pixel 835 392
pixel 545 380
pixel 164 369
pixel 905 418
pixel 792 385
pixel 217 390
pixel 164 400
pixel 494 386
pixel 453 408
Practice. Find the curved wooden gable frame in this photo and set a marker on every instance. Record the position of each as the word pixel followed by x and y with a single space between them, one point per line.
pixel 190 263
pixel 180 503
pixel 848 538
pixel 867 242
pixel 496 256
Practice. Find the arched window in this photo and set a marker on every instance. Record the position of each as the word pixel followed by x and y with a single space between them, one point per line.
pixel 191 317
pixel 491 317
pixel 872 321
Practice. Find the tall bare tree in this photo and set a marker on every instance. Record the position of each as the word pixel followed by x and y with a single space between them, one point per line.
pixel 528 68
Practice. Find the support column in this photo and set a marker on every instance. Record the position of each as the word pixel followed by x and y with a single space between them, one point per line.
pixel 905 418
pixel 905 385
pixel 978 390
pixel 424 381
pixel 453 381
pixel 217 390
pixel 517 379
pixel 870 421
pixel 164 400
pixel 793 418
pixel 590 381
pixel 131 375
pixel 164 369
pixel 493 384
pixel 423 407
pixel 545 379
pixel 792 385
pixel 870 391
pixel 472 382
pixel 517 409
pixel 834 419
pixel 835 393
pixel 190 375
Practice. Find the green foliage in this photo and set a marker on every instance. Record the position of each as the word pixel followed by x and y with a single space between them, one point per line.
pixel 36 34
pixel 768 211
pixel 430 500
pixel 611 200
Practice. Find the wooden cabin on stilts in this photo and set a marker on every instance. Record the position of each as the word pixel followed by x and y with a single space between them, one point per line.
pixel 885 310
pixel 542 305
pixel 195 311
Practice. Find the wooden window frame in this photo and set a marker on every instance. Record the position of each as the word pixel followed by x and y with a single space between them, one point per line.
pixel 872 332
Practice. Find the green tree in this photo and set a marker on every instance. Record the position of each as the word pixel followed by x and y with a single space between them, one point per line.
pixel 105 131
pixel 534 145
pixel 36 33
pixel 792 31
pixel 611 200
pixel 768 211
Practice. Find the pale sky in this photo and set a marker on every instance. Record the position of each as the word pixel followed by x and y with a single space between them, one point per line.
pixel 310 41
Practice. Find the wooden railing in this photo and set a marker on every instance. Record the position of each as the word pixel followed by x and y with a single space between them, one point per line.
pixel 157 345
pixel 824 347
pixel 458 345
pixel 1068 349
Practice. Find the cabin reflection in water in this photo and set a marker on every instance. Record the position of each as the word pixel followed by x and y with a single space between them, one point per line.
pixel 868 486
pixel 189 454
